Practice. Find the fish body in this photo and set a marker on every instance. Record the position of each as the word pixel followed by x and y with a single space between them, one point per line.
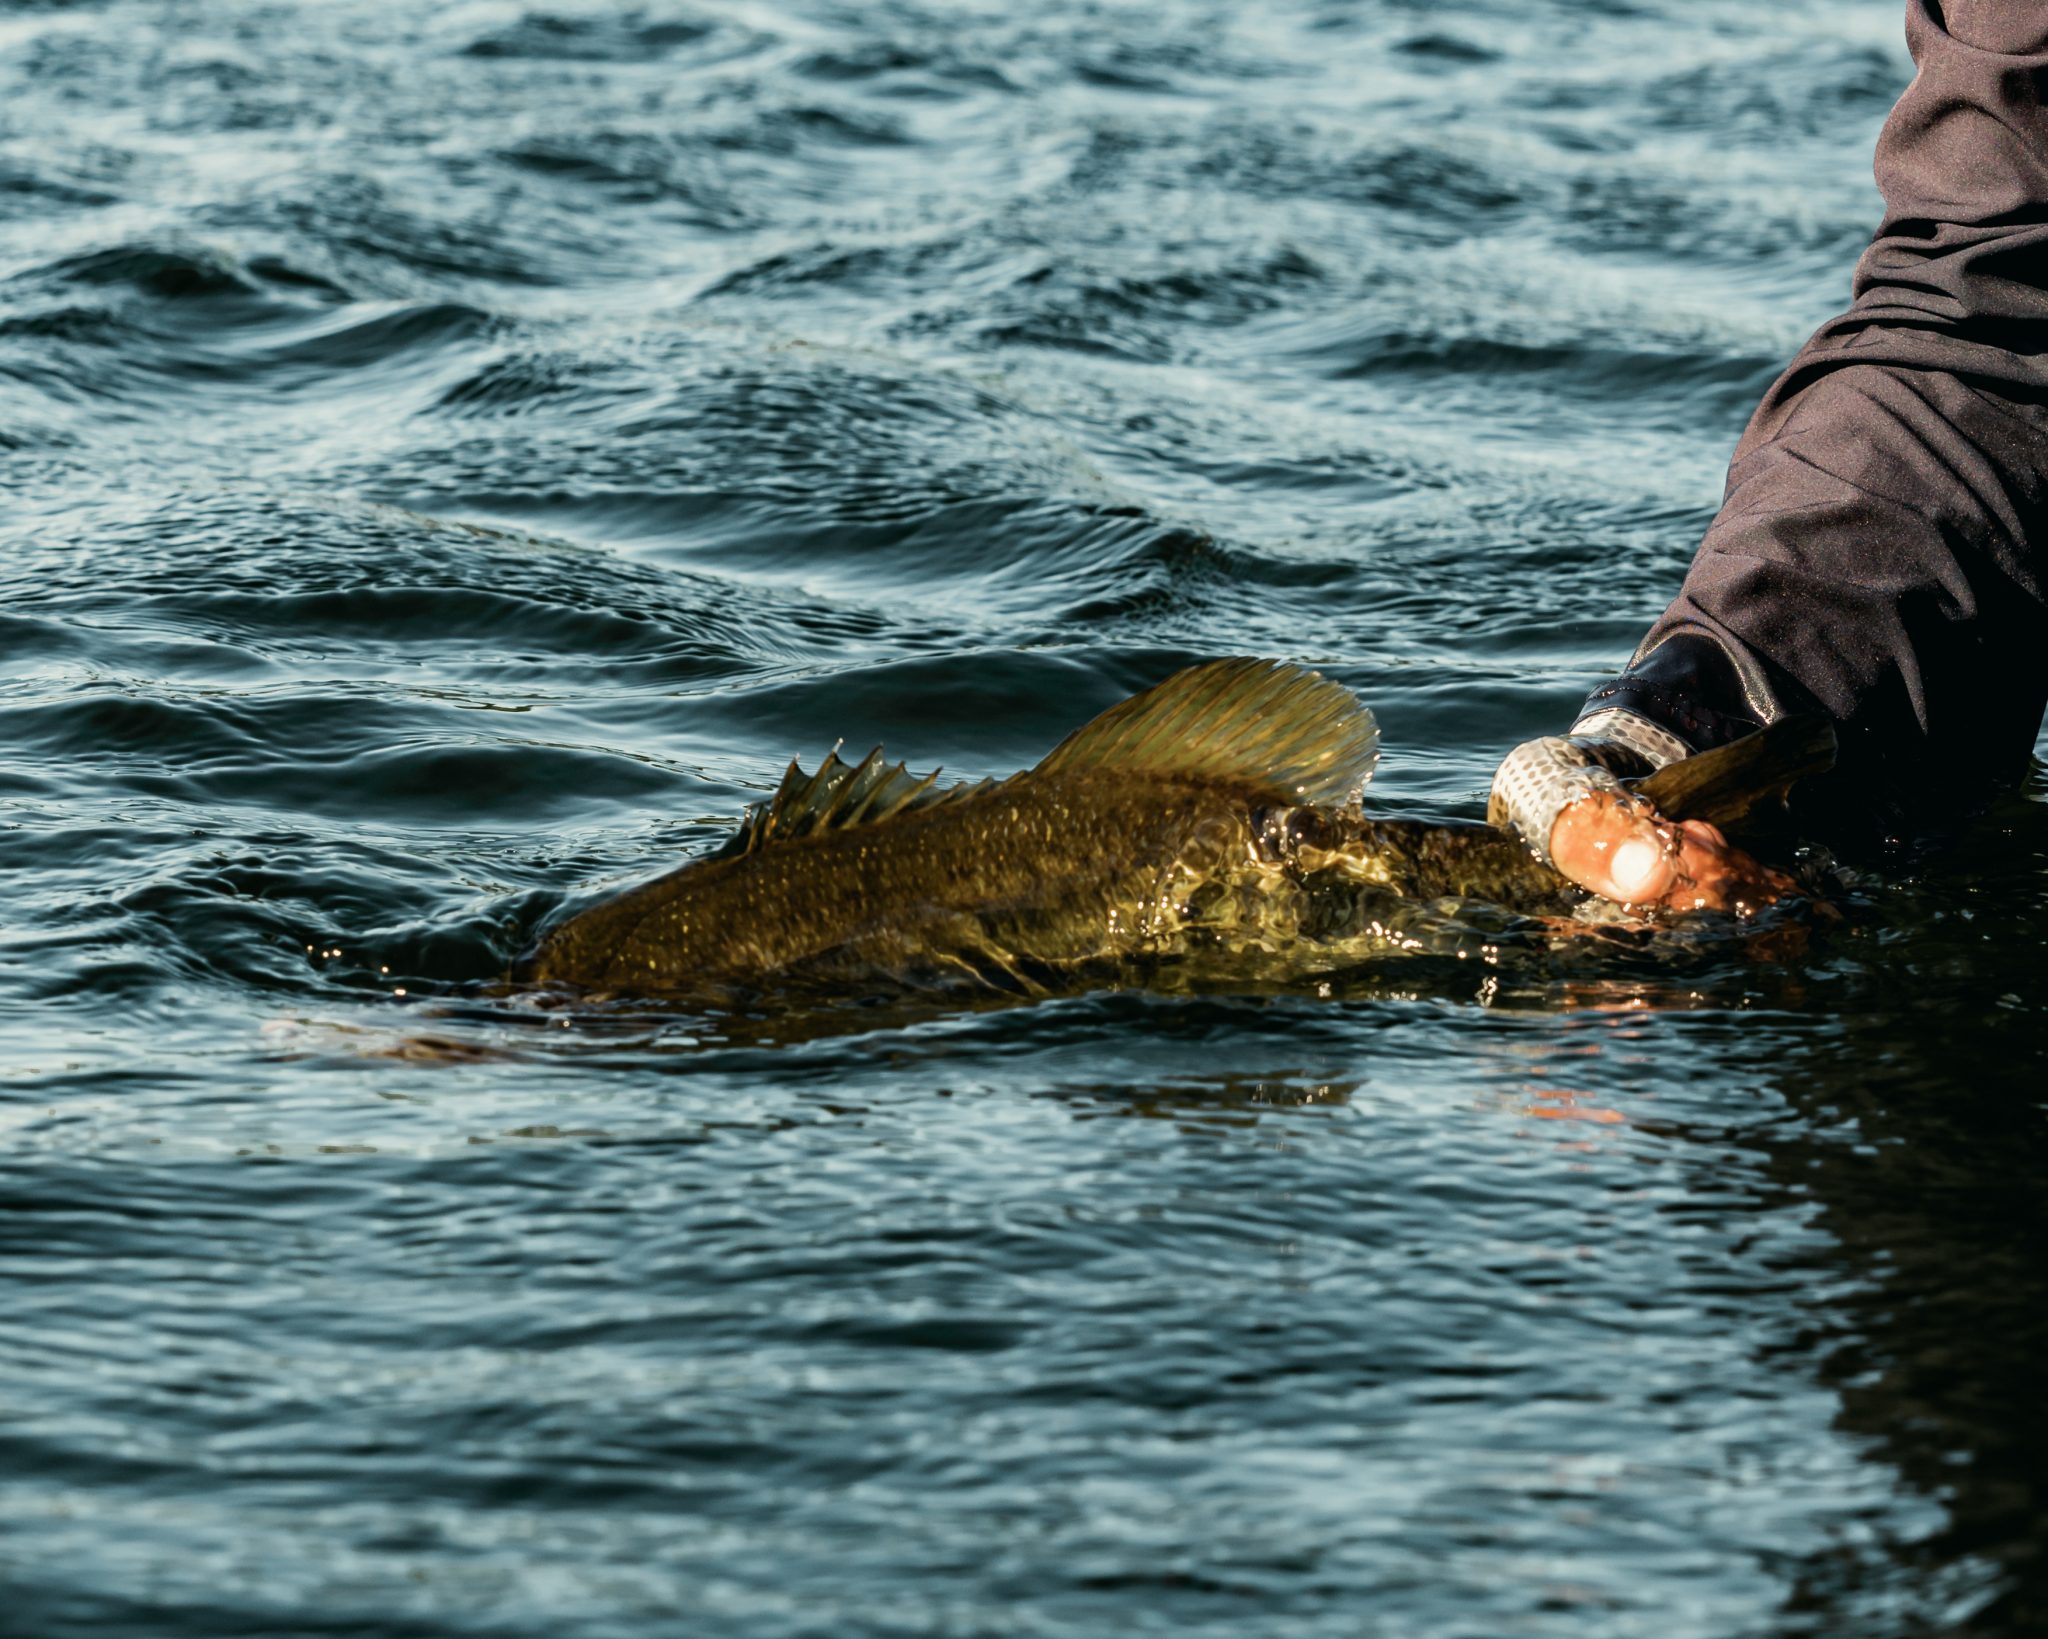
pixel 1215 814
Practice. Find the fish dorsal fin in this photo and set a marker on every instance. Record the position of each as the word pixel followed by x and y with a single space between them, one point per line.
pixel 1279 728
pixel 839 795
pixel 1743 784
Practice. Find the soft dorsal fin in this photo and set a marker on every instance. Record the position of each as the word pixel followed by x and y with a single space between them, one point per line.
pixel 839 795
pixel 1277 727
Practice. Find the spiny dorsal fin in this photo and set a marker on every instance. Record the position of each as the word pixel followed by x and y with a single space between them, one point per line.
pixel 1743 784
pixel 839 795
pixel 1277 727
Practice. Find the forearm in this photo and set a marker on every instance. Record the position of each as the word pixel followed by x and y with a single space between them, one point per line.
pixel 1875 556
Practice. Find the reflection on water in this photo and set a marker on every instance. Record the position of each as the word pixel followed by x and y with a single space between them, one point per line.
pixel 1921 1144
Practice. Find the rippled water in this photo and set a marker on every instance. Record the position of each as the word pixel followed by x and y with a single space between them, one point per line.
pixel 455 455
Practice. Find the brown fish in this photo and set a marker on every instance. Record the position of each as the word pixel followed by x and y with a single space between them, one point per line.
pixel 1215 814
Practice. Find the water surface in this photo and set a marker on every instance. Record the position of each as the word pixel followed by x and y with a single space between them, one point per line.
pixel 453 457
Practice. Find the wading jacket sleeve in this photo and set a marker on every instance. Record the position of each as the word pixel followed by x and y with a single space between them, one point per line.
pixel 1879 550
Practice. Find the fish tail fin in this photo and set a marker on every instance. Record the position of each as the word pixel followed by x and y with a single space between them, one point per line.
pixel 1744 784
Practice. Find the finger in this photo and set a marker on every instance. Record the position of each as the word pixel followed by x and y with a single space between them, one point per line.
pixel 1638 867
pixel 1612 848
pixel 1719 876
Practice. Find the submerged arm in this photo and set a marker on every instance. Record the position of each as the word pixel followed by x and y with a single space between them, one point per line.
pixel 1875 555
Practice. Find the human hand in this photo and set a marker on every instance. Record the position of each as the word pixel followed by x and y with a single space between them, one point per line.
pixel 1567 802
pixel 1619 847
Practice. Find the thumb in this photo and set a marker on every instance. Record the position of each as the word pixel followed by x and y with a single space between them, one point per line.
pixel 1614 847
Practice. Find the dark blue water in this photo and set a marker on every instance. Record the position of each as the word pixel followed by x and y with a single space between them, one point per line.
pixel 451 457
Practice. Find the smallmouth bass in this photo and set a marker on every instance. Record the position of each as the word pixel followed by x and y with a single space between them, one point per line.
pixel 1215 815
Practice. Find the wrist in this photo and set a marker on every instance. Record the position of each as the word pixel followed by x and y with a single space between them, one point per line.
pixel 1648 739
pixel 1540 779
